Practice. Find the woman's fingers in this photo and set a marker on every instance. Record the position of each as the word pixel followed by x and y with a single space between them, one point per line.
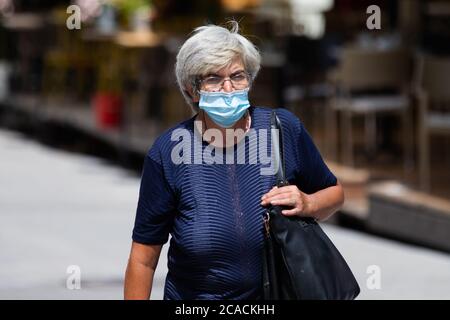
pixel 292 212
pixel 276 191
pixel 270 193
pixel 288 196
pixel 292 202
pixel 285 199
pixel 276 197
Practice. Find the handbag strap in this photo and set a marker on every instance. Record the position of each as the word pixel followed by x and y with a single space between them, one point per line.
pixel 278 149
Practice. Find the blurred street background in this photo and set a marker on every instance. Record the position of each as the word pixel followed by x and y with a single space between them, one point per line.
pixel 87 85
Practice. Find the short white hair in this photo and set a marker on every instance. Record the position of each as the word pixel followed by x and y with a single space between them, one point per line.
pixel 210 49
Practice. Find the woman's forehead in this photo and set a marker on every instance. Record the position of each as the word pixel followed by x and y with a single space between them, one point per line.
pixel 235 65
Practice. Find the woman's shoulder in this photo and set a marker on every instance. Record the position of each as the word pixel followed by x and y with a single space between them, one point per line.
pixel 281 112
pixel 286 116
pixel 164 143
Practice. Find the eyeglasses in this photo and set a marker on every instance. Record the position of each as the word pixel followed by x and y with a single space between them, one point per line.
pixel 239 81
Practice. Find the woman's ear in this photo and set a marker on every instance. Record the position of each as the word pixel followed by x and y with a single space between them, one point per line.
pixel 194 96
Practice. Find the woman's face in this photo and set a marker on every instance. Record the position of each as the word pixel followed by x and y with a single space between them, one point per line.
pixel 235 67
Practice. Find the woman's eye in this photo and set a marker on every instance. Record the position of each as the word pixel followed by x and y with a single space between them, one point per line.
pixel 238 77
pixel 213 79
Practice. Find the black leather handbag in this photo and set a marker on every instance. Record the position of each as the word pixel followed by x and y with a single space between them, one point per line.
pixel 300 261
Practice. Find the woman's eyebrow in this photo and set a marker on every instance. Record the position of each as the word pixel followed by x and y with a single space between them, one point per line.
pixel 212 75
pixel 218 75
pixel 236 72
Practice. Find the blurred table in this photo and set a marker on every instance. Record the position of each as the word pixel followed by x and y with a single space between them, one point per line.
pixel 24 21
pixel 139 39
pixel 94 35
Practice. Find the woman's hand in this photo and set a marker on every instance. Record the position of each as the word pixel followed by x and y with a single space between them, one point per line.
pixel 290 196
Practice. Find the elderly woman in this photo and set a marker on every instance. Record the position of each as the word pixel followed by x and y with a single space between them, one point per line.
pixel 213 210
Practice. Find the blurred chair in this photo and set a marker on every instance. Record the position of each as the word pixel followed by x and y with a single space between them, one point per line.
pixel 69 64
pixel 433 94
pixel 68 70
pixel 302 82
pixel 152 79
pixel 369 83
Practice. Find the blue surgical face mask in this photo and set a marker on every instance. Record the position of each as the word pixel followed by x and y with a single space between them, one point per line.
pixel 225 109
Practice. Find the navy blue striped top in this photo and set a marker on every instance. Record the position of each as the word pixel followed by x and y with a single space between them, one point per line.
pixel 212 210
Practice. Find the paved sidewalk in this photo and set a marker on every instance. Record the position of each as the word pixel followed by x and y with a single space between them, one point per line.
pixel 59 209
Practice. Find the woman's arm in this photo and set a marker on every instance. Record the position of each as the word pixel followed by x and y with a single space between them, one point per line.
pixel 319 205
pixel 140 270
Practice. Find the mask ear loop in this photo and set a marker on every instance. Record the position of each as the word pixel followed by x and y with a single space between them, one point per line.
pixel 195 84
pixel 204 120
pixel 248 122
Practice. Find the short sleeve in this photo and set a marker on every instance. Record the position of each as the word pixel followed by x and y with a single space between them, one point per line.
pixel 314 173
pixel 156 205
